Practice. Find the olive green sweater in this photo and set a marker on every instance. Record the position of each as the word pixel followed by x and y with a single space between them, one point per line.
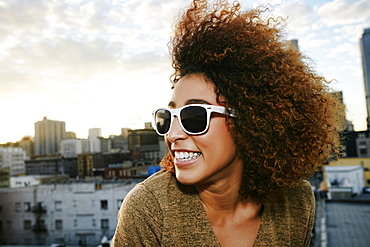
pixel 162 212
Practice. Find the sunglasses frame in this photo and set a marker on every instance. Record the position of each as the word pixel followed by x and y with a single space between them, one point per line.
pixel 175 112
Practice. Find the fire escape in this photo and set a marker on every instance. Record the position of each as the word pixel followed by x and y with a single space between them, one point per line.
pixel 39 210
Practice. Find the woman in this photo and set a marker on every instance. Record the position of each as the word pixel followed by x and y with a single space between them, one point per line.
pixel 248 121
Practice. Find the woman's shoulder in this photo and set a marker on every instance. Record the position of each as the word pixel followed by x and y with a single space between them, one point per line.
pixel 288 219
pixel 152 187
pixel 160 176
pixel 299 197
pixel 296 202
pixel 302 189
pixel 158 181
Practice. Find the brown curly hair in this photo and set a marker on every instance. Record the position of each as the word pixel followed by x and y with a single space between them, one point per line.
pixel 288 119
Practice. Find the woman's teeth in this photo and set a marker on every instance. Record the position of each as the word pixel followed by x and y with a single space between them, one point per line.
pixel 183 156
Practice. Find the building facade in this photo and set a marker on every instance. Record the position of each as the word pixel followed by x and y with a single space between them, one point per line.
pixel 94 139
pixel 48 135
pixel 14 158
pixel 365 55
pixel 94 164
pixel 27 145
pixel 356 144
pixel 52 165
pixel 77 214
pixel 70 148
pixel 363 162
pixel 128 169
pixel 146 144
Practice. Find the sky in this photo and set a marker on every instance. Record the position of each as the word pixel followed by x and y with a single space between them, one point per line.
pixel 105 63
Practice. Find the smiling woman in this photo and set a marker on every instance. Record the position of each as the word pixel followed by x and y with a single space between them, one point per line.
pixel 247 123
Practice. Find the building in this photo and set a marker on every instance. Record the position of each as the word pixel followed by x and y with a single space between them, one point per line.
pixel 5 177
pixel 52 165
pixel 27 145
pixel 94 139
pixel 70 148
pixel 73 213
pixel 349 162
pixel 293 44
pixel 71 135
pixel 124 132
pixel 97 143
pixel 356 144
pixel 14 158
pixel 344 182
pixel 145 144
pixel 94 164
pixel 129 169
pixel 48 135
pixel 365 55
pixel 25 181
pixel 105 144
pixel 119 143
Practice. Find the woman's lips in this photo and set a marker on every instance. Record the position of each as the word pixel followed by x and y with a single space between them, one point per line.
pixel 183 158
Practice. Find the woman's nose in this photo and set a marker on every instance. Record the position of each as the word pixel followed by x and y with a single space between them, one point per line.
pixel 176 132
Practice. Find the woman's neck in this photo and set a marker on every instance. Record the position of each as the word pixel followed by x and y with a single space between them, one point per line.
pixel 222 200
pixel 221 196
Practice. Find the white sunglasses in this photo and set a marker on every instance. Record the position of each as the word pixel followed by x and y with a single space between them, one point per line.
pixel 194 119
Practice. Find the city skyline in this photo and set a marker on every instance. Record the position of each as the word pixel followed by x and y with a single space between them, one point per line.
pixel 106 65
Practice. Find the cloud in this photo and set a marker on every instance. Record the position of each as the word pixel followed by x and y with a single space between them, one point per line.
pixel 346 47
pixel 342 12
pixel 298 14
pixel 71 41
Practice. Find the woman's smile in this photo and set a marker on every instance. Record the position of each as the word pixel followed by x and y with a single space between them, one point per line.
pixel 186 156
pixel 183 159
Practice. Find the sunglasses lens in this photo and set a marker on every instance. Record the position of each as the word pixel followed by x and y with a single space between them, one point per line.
pixel 194 119
pixel 162 121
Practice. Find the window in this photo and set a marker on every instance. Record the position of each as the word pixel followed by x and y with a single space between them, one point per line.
pixel 27 225
pixel 58 205
pixel 104 204
pixel 27 206
pixel 363 151
pixel 93 222
pixel 361 135
pixel 58 224
pixel 75 223
pixel 18 207
pixel 104 224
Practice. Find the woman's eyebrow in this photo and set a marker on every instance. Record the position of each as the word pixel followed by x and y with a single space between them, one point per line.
pixel 172 104
pixel 197 101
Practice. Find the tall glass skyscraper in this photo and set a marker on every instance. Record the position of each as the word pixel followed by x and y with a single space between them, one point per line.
pixel 365 54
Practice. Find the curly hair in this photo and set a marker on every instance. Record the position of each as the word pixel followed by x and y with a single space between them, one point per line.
pixel 288 118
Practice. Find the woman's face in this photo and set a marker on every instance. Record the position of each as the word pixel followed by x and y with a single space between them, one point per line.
pixel 202 159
